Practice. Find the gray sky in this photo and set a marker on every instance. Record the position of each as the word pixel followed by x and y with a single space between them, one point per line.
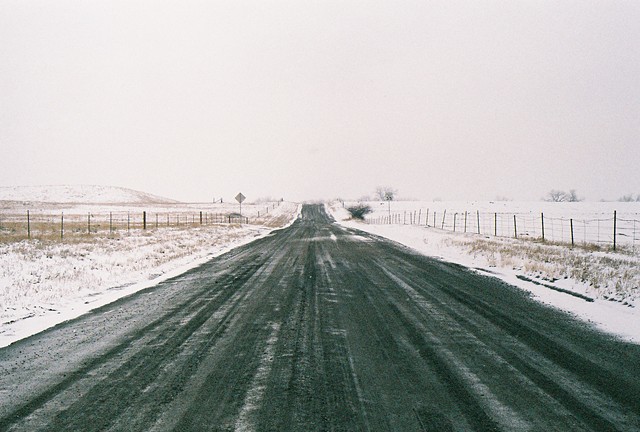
pixel 318 99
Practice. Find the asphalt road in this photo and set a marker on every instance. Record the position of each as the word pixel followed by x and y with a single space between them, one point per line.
pixel 318 327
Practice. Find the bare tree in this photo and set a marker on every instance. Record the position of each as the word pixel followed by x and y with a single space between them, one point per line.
pixel 572 196
pixel 386 193
pixel 562 196
pixel 629 198
pixel 556 196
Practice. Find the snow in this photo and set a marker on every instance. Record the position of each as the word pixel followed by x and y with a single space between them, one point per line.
pixel 46 282
pixel 611 279
pixel 88 194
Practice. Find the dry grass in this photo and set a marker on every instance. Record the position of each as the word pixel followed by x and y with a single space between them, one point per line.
pixel 607 274
pixel 48 270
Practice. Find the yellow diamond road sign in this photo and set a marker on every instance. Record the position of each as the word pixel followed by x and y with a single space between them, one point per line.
pixel 240 198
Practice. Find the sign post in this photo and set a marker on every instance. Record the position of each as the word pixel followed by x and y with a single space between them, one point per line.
pixel 240 198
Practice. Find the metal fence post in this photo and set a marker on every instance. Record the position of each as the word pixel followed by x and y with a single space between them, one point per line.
pixel 571 226
pixel 614 229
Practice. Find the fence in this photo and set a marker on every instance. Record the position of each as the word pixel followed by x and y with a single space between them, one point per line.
pixel 29 225
pixel 603 231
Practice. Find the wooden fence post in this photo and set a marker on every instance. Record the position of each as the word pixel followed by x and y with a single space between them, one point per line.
pixel 144 220
pixel 454 221
pixel 478 216
pixel 542 219
pixel 62 226
pixel 495 224
pixel 444 215
pixel 28 226
pixel 515 228
pixel 465 221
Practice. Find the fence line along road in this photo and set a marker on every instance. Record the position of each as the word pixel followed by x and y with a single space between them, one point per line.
pixel 30 226
pixel 607 231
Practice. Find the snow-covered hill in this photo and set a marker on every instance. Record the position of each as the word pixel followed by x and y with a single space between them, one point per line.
pixel 85 194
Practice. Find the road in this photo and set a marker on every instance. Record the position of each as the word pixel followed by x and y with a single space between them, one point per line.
pixel 318 327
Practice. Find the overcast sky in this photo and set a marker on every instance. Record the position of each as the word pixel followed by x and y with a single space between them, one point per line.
pixel 318 99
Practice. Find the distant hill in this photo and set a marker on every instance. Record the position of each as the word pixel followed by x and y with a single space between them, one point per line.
pixel 79 194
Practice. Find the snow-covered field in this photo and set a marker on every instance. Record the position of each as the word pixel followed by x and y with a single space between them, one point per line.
pixel 590 222
pixel 87 194
pixel 598 285
pixel 44 282
pixel 50 212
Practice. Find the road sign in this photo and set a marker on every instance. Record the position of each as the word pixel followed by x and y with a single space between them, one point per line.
pixel 240 198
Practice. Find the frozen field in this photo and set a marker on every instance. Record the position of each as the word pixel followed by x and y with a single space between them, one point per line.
pixel 48 279
pixel 23 220
pixel 585 222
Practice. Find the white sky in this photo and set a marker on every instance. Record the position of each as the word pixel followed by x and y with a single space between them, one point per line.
pixel 318 99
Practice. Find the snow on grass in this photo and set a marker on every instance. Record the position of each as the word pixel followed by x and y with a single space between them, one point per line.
pixel 602 287
pixel 43 283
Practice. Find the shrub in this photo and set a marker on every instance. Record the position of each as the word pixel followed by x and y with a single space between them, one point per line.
pixel 359 211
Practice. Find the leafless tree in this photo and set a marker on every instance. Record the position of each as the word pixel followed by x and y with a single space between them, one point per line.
pixel 556 196
pixel 572 196
pixel 562 196
pixel 386 193
pixel 629 198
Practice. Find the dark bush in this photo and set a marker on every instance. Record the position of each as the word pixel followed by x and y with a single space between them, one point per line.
pixel 359 211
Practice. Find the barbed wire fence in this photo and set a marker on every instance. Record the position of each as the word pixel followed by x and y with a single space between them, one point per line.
pixel 612 231
pixel 36 225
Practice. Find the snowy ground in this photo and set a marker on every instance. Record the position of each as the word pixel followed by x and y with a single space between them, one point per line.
pixel 601 287
pixel 77 194
pixel 590 222
pixel 45 282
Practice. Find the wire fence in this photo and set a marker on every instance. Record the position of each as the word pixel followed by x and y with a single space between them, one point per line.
pixel 611 231
pixel 31 225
